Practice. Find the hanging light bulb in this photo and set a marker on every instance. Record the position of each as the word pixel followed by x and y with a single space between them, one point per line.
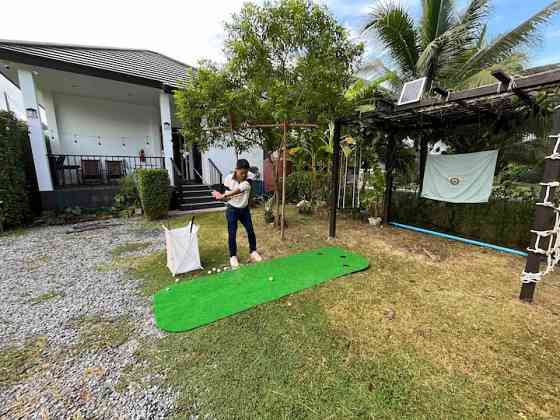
pixel 99 140
pixel 76 138
pixel 148 140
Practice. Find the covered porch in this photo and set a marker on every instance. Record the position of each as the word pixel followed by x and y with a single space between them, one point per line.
pixel 103 115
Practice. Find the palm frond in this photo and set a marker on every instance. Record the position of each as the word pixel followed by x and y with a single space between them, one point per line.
pixel 498 50
pixel 445 52
pixel 396 29
pixel 437 18
pixel 514 64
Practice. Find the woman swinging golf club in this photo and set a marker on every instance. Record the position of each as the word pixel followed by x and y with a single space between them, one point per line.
pixel 238 186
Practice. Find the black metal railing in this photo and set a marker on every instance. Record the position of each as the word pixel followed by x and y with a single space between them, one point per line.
pixel 72 170
pixel 215 175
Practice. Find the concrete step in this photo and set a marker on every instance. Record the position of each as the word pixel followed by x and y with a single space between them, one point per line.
pixel 201 206
pixel 197 199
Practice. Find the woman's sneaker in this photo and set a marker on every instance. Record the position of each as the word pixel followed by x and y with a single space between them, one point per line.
pixel 255 257
pixel 234 262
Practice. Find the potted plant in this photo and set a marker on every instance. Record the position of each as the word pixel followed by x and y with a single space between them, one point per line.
pixel 305 207
pixel 268 210
pixel 371 199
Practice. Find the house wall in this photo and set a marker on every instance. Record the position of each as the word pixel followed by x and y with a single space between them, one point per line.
pixel 225 160
pixel 10 92
pixel 121 128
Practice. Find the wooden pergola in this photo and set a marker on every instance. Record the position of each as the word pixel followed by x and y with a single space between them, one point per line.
pixel 497 104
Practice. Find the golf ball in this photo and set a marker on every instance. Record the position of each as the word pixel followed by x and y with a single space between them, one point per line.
pixel 270 278
pixel 219 270
pixel 209 272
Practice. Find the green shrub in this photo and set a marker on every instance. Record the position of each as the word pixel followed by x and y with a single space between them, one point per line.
pixel 505 220
pixel 307 185
pixel 128 194
pixel 153 190
pixel 373 191
pixel 15 176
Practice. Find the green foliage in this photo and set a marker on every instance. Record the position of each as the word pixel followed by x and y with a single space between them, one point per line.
pixel 286 60
pixel 449 46
pixel 307 185
pixel 153 190
pixel 15 174
pixel 530 174
pixel 127 196
pixel 372 193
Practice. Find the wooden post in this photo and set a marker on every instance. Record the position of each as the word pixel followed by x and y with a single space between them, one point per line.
pixel 389 166
pixel 423 160
pixel 334 179
pixel 284 168
pixel 544 217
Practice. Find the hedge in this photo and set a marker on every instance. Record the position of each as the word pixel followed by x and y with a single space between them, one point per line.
pixel 504 222
pixel 307 185
pixel 15 173
pixel 153 189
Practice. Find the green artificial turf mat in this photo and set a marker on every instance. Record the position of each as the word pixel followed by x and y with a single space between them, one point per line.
pixel 205 299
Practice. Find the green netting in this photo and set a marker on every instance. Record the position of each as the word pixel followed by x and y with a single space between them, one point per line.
pixel 191 304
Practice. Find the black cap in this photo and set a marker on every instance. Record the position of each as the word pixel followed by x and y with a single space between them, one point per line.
pixel 242 164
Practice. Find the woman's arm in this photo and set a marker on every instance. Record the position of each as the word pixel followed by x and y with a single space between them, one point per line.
pixel 242 188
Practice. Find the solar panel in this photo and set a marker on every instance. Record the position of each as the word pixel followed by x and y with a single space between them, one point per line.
pixel 413 91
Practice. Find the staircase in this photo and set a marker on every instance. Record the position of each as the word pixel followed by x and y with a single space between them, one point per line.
pixel 197 198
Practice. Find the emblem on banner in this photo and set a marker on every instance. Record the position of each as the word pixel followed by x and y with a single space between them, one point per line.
pixel 455 180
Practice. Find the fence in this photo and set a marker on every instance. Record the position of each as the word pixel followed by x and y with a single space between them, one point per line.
pixel 74 170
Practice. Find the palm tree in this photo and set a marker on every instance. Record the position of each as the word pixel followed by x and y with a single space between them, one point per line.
pixel 450 47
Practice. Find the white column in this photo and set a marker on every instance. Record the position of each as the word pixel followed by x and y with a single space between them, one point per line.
pixel 165 112
pixel 47 101
pixel 38 147
pixel 205 169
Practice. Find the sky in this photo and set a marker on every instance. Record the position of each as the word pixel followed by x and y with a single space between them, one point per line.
pixel 190 30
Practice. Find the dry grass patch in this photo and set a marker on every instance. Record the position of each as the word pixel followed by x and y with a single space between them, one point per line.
pixel 461 312
pixel 98 333
pixel 20 362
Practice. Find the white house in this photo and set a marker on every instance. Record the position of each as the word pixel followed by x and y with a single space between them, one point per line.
pixel 106 112
pixel 11 98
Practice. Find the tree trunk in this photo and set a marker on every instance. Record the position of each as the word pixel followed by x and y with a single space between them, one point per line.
pixel 284 165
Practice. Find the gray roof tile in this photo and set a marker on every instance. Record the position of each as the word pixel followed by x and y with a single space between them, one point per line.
pixel 142 64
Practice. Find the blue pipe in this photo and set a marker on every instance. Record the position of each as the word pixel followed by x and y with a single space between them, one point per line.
pixel 458 238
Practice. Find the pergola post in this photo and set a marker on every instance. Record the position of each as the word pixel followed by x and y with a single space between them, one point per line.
pixel 389 166
pixel 423 160
pixel 544 218
pixel 36 137
pixel 335 179
pixel 165 113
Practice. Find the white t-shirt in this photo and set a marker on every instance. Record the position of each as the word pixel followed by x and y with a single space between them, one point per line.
pixel 242 200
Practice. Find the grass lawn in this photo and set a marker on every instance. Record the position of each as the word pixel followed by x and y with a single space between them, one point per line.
pixel 433 330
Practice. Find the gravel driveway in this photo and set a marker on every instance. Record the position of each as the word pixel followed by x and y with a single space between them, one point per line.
pixel 53 284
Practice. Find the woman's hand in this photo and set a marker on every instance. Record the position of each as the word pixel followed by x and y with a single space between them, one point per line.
pixel 217 195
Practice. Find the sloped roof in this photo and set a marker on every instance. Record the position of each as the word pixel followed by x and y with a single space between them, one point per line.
pixel 133 65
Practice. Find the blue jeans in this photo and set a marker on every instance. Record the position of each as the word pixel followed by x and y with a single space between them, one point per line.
pixel 243 215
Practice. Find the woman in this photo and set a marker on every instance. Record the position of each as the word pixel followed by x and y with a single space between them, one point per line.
pixel 238 186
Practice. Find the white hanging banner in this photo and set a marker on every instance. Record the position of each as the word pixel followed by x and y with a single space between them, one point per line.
pixel 465 178
pixel 182 249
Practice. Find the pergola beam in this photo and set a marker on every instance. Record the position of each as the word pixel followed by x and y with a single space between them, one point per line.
pixel 506 79
pixel 533 82
pixel 462 103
